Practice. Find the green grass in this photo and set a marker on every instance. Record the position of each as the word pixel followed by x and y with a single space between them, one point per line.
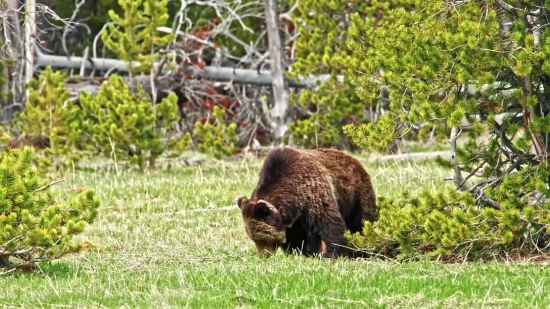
pixel 153 246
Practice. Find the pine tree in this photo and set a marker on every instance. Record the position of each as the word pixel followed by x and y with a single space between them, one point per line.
pixel 51 119
pixel 321 49
pixel 444 61
pixel 4 136
pixel 123 125
pixel 5 94
pixel 134 125
pixel 138 44
pixel 35 226
pixel 218 139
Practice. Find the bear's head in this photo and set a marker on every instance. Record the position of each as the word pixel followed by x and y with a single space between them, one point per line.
pixel 263 224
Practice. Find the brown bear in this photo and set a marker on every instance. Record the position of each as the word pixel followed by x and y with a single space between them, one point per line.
pixel 305 200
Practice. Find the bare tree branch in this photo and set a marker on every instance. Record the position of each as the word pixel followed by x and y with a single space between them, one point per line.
pixel 460 181
pixel 66 29
pixel 44 187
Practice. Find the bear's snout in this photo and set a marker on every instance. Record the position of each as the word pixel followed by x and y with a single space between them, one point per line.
pixel 264 250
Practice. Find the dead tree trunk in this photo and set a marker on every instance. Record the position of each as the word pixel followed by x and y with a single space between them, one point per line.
pixel 280 113
pixel 30 32
pixel 13 45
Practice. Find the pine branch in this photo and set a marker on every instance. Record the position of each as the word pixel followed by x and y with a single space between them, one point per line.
pixel 21 252
pixel 44 187
pixel 459 180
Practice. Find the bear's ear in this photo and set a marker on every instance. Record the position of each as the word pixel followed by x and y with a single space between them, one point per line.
pixel 241 201
pixel 266 212
pixel 263 209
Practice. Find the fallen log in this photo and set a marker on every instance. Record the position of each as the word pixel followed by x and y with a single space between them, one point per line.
pixel 410 157
pixel 220 74
pixel 76 84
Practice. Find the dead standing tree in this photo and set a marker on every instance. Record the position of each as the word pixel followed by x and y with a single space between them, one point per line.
pixel 17 41
pixel 280 111
pixel 11 53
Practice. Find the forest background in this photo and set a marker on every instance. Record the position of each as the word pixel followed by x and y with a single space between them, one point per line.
pixel 91 84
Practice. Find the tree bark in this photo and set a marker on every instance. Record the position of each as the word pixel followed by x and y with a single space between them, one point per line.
pixel 14 74
pixel 280 113
pixel 30 33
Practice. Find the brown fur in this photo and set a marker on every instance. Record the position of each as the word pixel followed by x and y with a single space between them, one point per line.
pixel 307 199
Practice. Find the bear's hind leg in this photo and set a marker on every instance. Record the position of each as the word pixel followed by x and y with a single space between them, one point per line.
pixel 367 201
pixel 354 221
pixel 331 227
pixel 365 210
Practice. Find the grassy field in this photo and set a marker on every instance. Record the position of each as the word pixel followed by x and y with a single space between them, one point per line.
pixel 159 242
